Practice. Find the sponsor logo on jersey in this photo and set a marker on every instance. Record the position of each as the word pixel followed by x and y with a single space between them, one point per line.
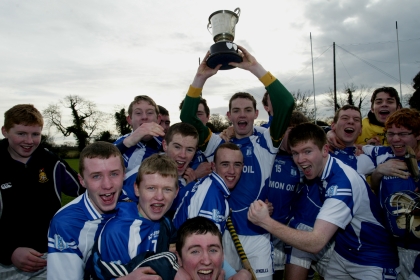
pixel 264 270
pixel 6 186
pixel 248 151
pixel 332 191
pixel 42 176
pixel 59 243
pixel 248 169
pixel 154 235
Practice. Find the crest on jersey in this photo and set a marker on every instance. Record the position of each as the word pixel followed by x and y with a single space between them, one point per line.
pixel 293 172
pixel 331 191
pixel 42 176
pixel 248 151
pixel 216 216
pixel 59 243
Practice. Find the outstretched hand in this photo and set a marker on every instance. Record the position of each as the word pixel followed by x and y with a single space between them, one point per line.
pixel 27 259
pixel 249 63
pixel 204 72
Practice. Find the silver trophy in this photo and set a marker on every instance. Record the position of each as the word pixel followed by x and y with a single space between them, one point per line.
pixel 222 27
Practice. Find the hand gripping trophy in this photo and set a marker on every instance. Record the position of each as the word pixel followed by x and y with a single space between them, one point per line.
pixel 222 24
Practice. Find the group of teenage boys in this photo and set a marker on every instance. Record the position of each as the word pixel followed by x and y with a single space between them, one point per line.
pixel 162 185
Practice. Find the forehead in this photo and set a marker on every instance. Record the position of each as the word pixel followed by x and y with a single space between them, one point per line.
pixel 395 128
pixel 309 144
pixel 383 95
pixel 26 128
pixel 200 108
pixel 225 154
pixel 349 112
pixel 164 117
pixel 143 105
pixel 98 165
pixel 242 103
pixel 184 140
pixel 157 179
pixel 201 240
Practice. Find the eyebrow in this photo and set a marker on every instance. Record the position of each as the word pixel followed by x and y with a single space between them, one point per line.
pixel 199 246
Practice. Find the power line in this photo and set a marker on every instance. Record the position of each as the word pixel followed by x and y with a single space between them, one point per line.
pixel 373 66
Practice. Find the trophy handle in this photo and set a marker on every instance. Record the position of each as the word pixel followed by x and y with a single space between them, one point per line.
pixel 208 28
pixel 237 11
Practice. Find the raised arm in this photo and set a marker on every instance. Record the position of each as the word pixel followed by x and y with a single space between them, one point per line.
pixel 281 99
pixel 192 100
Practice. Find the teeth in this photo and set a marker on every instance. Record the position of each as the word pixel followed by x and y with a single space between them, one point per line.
pixel 230 178
pixel 205 271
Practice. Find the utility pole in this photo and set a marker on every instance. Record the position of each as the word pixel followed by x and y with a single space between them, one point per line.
pixel 335 81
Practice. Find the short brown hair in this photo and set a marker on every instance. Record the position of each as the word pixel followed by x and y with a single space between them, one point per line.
pixel 227 145
pixel 408 118
pixel 307 132
pixel 25 114
pixel 160 164
pixel 244 95
pixel 345 108
pixel 184 129
pixel 390 90
pixel 202 101
pixel 140 98
pixel 99 149
pixel 197 225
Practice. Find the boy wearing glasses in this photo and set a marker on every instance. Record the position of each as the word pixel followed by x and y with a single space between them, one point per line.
pixel 402 129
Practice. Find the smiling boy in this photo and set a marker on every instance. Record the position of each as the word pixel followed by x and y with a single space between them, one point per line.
pixel 360 252
pixel 391 176
pixel 76 226
pixel 31 179
pixel 141 228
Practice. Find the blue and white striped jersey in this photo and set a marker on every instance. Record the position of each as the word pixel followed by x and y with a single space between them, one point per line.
pixel 72 233
pixel 388 187
pixel 350 204
pixel 362 163
pixel 206 198
pixel 259 154
pixel 282 187
pixel 127 234
pixel 133 157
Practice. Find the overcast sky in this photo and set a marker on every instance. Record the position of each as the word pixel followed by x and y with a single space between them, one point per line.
pixel 110 51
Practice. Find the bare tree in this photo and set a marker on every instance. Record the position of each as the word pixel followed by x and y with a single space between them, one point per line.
pixel 219 122
pixel 86 118
pixel 350 94
pixel 302 101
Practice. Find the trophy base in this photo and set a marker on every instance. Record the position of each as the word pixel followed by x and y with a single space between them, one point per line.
pixel 223 53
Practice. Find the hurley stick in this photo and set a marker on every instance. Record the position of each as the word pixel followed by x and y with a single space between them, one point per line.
pixel 239 248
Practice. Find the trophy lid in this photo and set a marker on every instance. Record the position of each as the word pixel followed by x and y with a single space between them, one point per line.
pixel 225 12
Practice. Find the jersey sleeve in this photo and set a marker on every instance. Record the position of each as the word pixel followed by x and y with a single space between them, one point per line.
pixel 64 260
pixel 67 178
pixel 282 102
pixel 215 208
pixel 189 115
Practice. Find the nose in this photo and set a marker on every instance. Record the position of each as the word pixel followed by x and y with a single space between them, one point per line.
pixel 29 139
pixel 182 153
pixel 205 258
pixel 106 183
pixel 144 116
pixel 159 194
pixel 231 169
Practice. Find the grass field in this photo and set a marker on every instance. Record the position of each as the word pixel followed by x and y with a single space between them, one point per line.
pixel 74 163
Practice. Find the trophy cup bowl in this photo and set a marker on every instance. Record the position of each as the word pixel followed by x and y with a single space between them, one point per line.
pixel 222 24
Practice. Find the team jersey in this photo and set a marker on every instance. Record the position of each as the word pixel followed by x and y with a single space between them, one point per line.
pixel 198 158
pixel 259 154
pixel 362 163
pixel 133 157
pixel 71 236
pixel 127 235
pixel 284 179
pixel 350 204
pixel 306 204
pixel 207 198
pixel 388 187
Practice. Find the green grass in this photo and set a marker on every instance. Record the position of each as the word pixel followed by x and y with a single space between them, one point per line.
pixel 74 163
